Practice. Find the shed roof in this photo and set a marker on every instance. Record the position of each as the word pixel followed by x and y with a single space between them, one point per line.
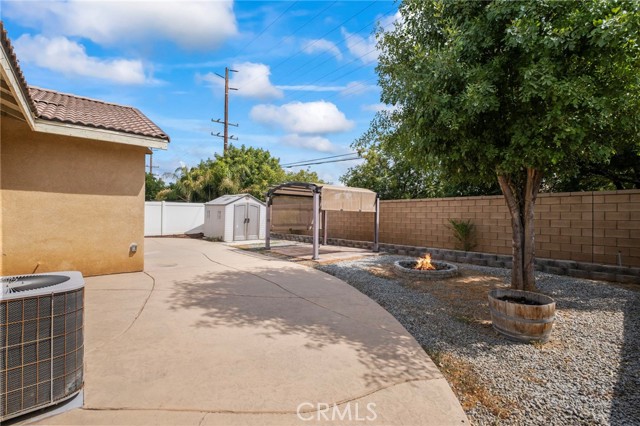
pixel 231 198
pixel 332 197
pixel 43 108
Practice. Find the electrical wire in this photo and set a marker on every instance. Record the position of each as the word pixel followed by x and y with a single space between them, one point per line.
pixel 267 27
pixel 337 44
pixel 324 35
pixel 317 159
pixel 325 162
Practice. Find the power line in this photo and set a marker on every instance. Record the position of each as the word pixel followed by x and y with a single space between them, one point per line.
pixel 325 162
pixel 324 35
pixel 267 27
pixel 337 44
pixel 317 159
pixel 309 21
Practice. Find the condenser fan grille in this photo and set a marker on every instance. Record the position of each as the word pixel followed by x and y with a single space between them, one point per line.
pixel 41 350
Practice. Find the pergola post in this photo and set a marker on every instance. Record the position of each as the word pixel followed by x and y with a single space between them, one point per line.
pixel 324 227
pixel 376 231
pixel 267 236
pixel 316 225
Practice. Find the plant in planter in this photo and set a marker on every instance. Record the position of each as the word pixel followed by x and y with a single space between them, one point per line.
pixel 511 90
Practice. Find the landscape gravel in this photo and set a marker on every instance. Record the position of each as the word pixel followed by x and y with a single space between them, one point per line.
pixel 587 374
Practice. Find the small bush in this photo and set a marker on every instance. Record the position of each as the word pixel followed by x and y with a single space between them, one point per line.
pixel 464 231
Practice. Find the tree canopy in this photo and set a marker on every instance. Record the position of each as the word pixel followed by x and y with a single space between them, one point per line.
pixel 239 170
pixel 502 86
pixel 515 91
pixel 387 171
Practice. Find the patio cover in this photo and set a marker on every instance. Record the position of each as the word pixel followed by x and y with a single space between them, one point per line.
pixel 327 198
pixel 332 197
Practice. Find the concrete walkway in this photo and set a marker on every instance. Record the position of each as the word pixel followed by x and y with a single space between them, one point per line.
pixel 211 335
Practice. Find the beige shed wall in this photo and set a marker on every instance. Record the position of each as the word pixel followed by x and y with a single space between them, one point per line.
pixel 69 203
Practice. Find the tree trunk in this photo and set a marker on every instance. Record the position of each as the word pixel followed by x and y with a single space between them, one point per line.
pixel 521 199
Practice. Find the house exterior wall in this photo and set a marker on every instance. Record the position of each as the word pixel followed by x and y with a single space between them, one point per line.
pixel 69 203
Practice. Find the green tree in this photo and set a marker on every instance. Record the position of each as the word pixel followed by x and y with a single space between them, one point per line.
pixel 240 170
pixel 152 185
pixel 302 175
pixel 387 171
pixel 513 91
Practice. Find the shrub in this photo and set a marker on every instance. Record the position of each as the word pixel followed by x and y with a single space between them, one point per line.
pixel 464 231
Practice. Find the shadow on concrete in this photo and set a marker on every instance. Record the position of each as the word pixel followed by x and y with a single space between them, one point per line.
pixel 235 298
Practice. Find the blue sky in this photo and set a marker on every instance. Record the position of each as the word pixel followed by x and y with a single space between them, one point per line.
pixel 306 80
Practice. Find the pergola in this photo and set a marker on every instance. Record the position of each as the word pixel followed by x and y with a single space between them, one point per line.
pixel 327 198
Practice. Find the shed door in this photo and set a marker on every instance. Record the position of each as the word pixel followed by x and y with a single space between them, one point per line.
pixel 253 223
pixel 239 222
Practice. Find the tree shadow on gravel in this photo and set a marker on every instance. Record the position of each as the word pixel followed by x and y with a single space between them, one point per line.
pixel 238 299
pixel 626 395
pixel 423 309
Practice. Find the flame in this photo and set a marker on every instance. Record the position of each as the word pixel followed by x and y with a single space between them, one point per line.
pixel 424 263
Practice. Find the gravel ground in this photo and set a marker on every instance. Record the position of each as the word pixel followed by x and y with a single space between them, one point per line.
pixel 588 373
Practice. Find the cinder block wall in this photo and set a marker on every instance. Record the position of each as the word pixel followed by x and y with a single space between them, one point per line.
pixel 580 226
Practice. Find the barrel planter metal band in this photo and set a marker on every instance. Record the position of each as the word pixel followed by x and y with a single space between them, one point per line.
pixel 522 322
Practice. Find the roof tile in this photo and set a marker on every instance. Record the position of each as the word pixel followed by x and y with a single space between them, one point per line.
pixel 56 106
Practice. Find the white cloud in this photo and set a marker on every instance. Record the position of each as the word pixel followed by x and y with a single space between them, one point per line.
pixel 360 47
pixel 319 117
pixel 70 58
pixel 365 48
pixel 322 45
pixel 379 107
pixel 191 24
pixel 316 143
pixel 387 22
pixel 251 80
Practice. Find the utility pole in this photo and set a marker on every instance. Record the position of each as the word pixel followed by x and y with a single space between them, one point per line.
pixel 226 123
pixel 151 166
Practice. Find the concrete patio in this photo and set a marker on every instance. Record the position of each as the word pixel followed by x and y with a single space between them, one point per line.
pixel 212 335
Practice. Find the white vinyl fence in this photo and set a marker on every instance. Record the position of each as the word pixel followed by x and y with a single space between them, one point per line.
pixel 167 218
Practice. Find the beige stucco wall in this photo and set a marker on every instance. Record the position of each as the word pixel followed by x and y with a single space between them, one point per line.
pixel 69 203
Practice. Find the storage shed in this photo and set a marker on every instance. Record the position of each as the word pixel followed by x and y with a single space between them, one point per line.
pixel 236 217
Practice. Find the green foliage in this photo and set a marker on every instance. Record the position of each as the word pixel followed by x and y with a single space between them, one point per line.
pixel 152 185
pixel 389 172
pixel 303 175
pixel 464 231
pixel 514 90
pixel 498 87
pixel 240 170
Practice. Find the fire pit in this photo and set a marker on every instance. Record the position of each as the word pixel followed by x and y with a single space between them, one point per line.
pixel 426 268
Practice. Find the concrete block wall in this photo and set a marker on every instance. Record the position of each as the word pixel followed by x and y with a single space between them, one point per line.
pixel 599 227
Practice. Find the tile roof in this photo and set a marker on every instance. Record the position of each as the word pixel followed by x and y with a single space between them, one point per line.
pixel 55 106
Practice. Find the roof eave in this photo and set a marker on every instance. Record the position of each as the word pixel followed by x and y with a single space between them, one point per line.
pixel 65 129
pixel 12 80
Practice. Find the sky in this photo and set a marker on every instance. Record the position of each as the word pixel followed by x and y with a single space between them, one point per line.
pixel 306 80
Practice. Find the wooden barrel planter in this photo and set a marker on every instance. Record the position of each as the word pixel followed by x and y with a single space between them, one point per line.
pixel 522 315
